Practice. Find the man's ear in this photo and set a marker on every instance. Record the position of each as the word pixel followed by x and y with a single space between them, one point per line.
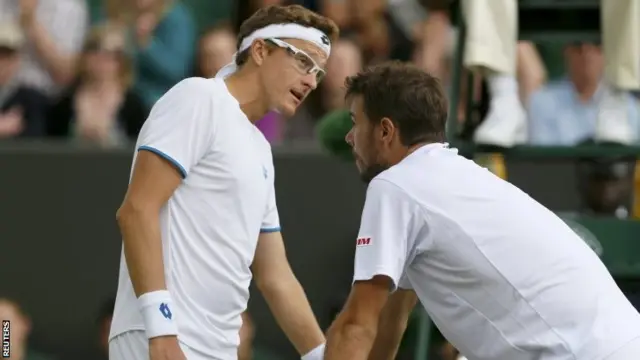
pixel 259 51
pixel 388 129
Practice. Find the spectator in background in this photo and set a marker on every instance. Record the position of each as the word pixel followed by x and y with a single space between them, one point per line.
pixel 20 330
pixel 163 39
pixel 101 108
pixel 345 61
pixel 54 31
pixel 104 324
pixel 490 49
pixel 379 34
pixel 216 48
pixel 606 185
pixel 22 109
pixel 566 112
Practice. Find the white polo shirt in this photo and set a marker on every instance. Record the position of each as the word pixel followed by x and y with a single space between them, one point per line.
pixel 501 276
pixel 210 225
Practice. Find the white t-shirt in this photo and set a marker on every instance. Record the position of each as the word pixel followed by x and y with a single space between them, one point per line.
pixel 210 225
pixel 501 276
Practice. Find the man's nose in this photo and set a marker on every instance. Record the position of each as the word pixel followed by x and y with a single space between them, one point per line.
pixel 349 138
pixel 310 81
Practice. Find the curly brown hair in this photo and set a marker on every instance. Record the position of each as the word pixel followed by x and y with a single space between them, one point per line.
pixel 411 98
pixel 278 14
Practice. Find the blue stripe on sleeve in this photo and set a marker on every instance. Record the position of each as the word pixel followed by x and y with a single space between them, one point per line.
pixel 173 161
pixel 270 230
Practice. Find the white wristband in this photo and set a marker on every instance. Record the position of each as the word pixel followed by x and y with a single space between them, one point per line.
pixel 315 354
pixel 157 312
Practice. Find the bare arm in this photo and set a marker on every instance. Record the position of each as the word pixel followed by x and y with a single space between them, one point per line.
pixel 152 184
pixel 284 294
pixel 353 333
pixel 434 37
pixel 59 64
pixel 530 70
pixel 57 46
pixel 393 323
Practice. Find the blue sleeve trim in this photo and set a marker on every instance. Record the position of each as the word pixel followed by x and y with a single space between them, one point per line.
pixel 270 230
pixel 173 161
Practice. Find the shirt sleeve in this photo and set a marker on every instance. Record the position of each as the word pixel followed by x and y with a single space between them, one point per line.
pixel 384 241
pixel 404 282
pixel 271 221
pixel 633 111
pixel 68 24
pixel 180 125
pixel 542 119
pixel 169 54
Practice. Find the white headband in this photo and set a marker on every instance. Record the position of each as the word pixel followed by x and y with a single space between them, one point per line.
pixel 285 31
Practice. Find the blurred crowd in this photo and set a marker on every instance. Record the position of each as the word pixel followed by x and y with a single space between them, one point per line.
pixel 90 71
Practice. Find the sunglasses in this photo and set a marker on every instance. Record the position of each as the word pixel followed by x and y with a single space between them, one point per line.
pixel 303 62
pixel 97 47
pixel 7 51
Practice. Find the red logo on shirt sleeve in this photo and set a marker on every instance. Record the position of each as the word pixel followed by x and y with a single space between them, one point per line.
pixel 363 241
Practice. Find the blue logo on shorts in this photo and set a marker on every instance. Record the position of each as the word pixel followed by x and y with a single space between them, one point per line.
pixel 264 172
pixel 164 310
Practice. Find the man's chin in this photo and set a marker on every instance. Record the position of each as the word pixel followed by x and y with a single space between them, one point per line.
pixel 365 177
pixel 287 109
pixel 371 172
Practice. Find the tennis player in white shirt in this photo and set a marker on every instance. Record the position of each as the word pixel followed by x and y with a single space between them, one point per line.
pixel 200 215
pixel 501 276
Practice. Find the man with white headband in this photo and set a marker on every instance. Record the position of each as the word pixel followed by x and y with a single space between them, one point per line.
pixel 199 218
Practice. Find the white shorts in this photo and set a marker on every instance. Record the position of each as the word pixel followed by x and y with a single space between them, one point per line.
pixel 134 345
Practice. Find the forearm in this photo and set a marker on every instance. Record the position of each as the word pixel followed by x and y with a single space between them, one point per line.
pixel 60 65
pixel 530 68
pixel 349 341
pixel 142 249
pixel 292 311
pixel 434 41
pixel 387 341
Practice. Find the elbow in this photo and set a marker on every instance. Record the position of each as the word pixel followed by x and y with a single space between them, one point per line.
pixel 271 286
pixel 122 216
pixel 277 281
pixel 129 214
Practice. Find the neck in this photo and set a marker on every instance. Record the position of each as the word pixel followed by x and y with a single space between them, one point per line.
pixel 242 85
pixel 406 151
pixel 585 89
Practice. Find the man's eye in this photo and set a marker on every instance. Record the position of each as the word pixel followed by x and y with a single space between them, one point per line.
pixel 304 61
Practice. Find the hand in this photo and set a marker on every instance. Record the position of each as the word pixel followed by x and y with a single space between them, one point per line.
pixel 95 116
pixel 145 25
pixel 165 348
pixel 27 11
pixel 11 123
pixel 96 129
